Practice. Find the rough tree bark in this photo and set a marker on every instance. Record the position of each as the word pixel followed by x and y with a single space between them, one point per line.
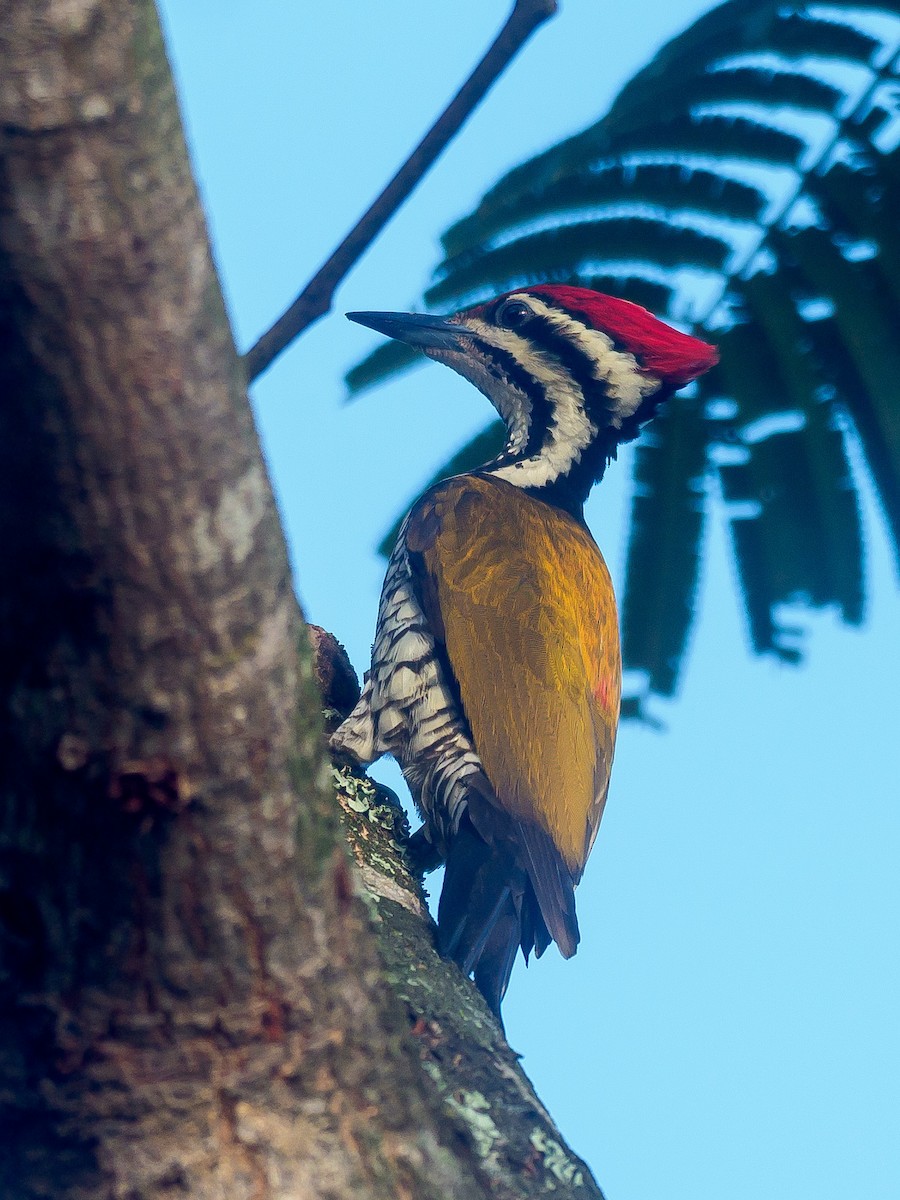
pixel 198 997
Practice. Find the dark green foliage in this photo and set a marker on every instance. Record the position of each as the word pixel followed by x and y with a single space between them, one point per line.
pixel 756 200
pixel 803 545
pixel 384 360
pixel 655 183
pixel 559 253
pixel 747 84
pixel 668 511
pixel 637 288
pixel 802 36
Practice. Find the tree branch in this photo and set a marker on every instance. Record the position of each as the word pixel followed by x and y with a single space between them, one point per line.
pixel 476 1076
pixel 316 298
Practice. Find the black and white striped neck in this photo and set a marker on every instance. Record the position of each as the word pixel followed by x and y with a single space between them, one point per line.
pixel 566 394
pixel 535 475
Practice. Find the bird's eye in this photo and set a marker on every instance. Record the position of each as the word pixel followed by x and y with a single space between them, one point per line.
pixel 513 314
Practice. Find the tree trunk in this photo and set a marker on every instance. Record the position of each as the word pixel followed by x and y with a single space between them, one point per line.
pixel 197 996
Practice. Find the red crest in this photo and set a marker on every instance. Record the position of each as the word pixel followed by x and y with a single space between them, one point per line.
pixel 675 357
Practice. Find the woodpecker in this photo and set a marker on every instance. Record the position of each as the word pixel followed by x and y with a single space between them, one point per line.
pixel 496 673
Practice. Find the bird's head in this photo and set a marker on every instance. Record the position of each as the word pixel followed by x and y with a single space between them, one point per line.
pixel 572 372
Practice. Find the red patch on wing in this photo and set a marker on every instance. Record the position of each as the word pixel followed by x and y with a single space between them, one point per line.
pixel 603 690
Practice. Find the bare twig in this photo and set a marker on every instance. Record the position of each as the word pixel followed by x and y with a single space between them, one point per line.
pixel 316 298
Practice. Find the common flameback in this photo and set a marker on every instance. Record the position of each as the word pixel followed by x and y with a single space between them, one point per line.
pixel 496 674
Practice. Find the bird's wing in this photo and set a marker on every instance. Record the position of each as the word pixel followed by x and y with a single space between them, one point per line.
pixel 519 598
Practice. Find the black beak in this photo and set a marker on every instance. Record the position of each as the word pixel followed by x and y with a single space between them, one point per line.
pixel 421 330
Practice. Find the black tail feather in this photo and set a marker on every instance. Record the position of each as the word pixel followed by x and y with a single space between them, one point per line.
pixel 469 898
pixel 553 886
pixel 479 925
pixel 467 863
pixel 490 904
pixel 535 935
pixel 495 964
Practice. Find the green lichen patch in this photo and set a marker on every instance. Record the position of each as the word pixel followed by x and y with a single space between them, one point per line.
pixel 375 825
pixel 556 1162
pixel 357 791
pixel 361 795
pixel 474 1111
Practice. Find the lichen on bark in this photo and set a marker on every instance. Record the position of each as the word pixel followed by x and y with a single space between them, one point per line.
pixel 462 1048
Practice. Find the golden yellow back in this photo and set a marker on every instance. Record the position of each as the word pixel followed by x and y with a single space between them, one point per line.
pixel 520 594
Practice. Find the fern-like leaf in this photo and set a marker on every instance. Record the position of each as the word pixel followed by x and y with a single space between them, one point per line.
pixel 749 178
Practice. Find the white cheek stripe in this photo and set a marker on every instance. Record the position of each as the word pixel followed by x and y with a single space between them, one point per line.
pixel 626 384
pixel 571 430
pixel 513 405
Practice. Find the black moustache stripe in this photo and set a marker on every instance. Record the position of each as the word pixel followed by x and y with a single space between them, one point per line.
pixel 579 365
pixel 513 371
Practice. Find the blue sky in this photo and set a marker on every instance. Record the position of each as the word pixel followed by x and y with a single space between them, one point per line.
pixel 729 1027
